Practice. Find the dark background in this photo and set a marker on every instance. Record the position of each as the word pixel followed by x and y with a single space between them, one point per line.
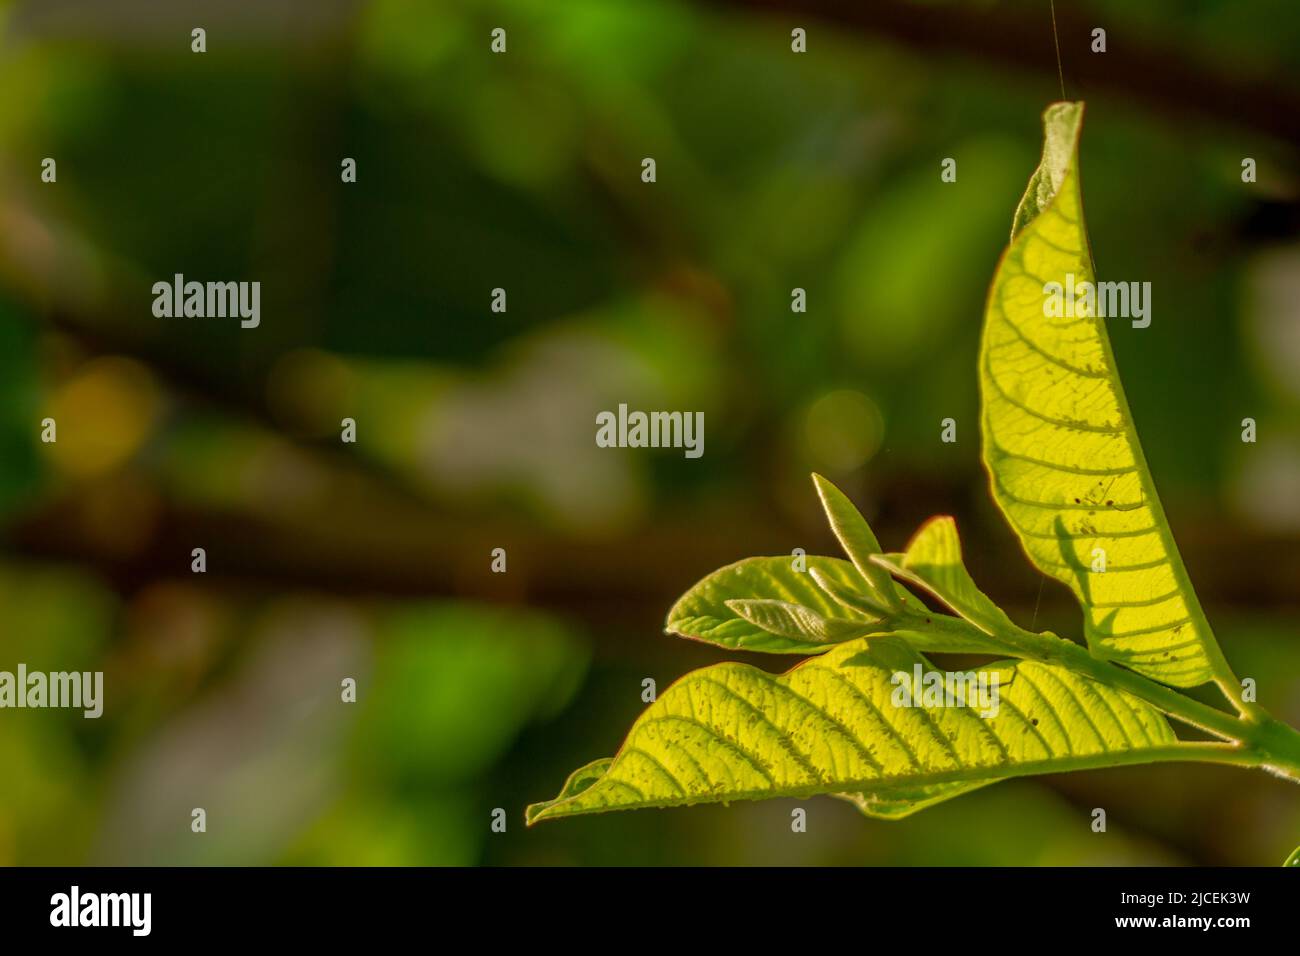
pixel 522 171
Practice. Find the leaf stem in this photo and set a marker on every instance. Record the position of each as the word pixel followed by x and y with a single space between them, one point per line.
pixel 1258 739
pixel 1279 746
pixel 1170 701
pixel 1051 649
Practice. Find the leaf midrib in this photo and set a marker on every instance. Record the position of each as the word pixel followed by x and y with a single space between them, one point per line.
pixel 1189 751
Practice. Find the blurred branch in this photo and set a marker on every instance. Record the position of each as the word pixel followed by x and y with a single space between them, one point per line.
pixel 377 547
pixel 1019 37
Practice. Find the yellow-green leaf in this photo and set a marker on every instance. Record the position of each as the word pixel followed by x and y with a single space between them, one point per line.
pixel 578 781
pixel 904 801
pixel 834 725
pixel 859 603
pixel 702 612
pixel 942 634
pixel 1060 445
pixel 797 622
pixel 933 561
pixel 856 537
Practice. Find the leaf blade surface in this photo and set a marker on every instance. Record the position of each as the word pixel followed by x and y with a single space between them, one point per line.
pixel 703 613
pixel 830 726
pixel 1065 464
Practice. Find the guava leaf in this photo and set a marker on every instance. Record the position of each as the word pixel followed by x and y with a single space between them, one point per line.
pixel 855 536
pixel 942 634
pixel 857 603
pixel 799 623
pixel 933 561
pixel 737 607
pixel 702 612
pixel 904 801
pixel 832 725
pixel 578 781
pixel 1060 444
pixel 1294 858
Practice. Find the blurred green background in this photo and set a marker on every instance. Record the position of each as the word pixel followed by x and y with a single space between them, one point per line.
pixel 475 429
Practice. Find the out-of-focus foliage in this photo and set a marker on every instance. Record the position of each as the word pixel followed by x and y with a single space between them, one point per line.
pixel 18 475
pixel 522 171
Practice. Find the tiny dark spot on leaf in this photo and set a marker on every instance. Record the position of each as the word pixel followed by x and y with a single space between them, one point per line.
pixel 1034 721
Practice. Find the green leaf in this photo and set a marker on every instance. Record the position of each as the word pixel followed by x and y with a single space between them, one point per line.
pixel 1294 858
pixel 856 602
pixel 831 725
pixel 920 628
pixel 702 612
pixel 1060 445
pixel 899 802
pixel 796 622
pixel 578 781
pixel 856 537
pixel 933 561
pixel 904 801
pixel 941 634
pixel 866 600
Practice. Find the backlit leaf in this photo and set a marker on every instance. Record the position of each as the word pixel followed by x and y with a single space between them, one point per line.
pixel 1065 464
pixel 859 602
pixel 933 561
pixel 855 536
pixel 896 804
pixel 702 612
pixel 798 623
pixel 832 725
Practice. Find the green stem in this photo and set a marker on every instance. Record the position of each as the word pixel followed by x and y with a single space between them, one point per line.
pixel 1168 700
pixel 1252 737
pixel 1279 746
pixel 1260 739
pixel 1251 711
